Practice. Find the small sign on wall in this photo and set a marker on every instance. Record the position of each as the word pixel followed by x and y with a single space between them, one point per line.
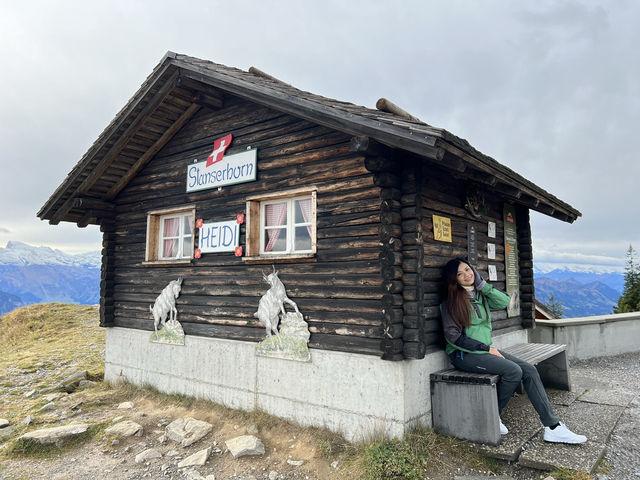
pixel 491 251
pixel 219 237
pixel 511 258
pixel 472 248
pixel 491 229
pixel 442 228
pixel 219 169
pixel 493 273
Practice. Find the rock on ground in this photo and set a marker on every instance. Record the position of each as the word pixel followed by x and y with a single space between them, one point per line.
pixel 147 455
pixel 71 382
pixel 187 431
pixel 196 460
pixel 4 422
pixel 245 445
pixel 55 435
pixel 126 428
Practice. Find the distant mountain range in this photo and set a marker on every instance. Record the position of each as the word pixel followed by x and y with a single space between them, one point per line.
pixel 31 274
pixel 582 293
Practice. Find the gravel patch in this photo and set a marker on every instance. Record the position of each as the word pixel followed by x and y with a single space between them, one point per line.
pixel 619 374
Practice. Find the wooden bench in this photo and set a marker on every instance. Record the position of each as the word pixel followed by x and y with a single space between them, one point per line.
pixel 465 405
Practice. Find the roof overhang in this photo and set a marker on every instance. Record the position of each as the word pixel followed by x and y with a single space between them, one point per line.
pixel 180 85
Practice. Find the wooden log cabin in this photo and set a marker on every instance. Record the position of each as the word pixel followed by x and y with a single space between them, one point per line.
pixel 370 204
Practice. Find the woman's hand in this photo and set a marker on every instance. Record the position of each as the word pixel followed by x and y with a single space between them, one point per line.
pixel 478 281
pixel 494 351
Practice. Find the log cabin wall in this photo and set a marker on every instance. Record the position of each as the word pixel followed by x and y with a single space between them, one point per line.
pixel 428 190
pixel 107 273
pixel 339 294
pixel 525 251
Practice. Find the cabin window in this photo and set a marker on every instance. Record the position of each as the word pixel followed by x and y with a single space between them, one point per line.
pixel 282 225
pixel 170 235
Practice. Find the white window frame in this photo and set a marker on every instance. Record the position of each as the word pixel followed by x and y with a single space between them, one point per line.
pixel 256 229
pixel 155 235
pixel 180 237
pixel 289 227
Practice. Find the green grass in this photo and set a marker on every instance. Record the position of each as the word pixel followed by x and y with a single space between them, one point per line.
pixel 421 453
pixel 39 346
pixel 566 474
pixel 26 448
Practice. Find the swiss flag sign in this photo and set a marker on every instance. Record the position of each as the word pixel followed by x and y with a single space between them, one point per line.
pixel 219 147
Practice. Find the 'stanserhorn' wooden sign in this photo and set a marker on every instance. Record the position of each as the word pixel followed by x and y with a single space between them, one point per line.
pixel 220 169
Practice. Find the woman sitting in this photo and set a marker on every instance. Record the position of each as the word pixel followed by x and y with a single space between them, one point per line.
pixel 466 320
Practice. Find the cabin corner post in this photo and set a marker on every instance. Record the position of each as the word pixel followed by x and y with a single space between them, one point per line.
pixel 413 253
pixel 107 274
pixel 525 260
pixel 390 231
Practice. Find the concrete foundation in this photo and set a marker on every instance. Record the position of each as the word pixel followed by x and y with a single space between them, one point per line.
pixel 359 396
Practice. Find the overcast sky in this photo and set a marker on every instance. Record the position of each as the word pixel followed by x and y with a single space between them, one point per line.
pixel 550 89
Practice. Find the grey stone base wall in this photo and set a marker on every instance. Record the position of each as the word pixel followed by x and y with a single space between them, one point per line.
pixel 358 396
pixel 588 337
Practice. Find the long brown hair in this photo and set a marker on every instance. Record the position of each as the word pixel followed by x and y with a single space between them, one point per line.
pixel 455 297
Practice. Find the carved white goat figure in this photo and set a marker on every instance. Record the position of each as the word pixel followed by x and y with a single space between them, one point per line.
pixel 165 304
pixel 272 303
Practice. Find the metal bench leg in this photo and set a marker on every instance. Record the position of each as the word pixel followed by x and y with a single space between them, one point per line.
pixel 554 372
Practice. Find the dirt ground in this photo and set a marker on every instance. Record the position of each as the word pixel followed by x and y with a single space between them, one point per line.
pixel 106 457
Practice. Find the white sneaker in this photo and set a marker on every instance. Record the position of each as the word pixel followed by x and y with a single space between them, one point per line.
pixel 503 430
pixel 561 434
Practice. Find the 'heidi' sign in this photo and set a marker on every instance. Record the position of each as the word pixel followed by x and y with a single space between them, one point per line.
pixel 219 236
pixel 220 169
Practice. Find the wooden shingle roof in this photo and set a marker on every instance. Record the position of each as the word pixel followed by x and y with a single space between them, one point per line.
pixel 180 85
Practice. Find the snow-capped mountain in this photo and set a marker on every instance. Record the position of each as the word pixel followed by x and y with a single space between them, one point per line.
pixel 31 274
pixel 583 290
pixel 18 253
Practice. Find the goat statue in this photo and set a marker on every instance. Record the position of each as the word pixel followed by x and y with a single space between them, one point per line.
pixel 165 304
pixel 272 303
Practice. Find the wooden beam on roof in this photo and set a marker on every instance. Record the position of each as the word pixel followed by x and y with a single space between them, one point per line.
pixel 453 162
pixel 368 146
pixel 388 106
pixel 153 149
pixel 509 190
pixel 86 219
pixel 209 101
pixel 260 73
pixel 100 143
pixel 485 178
pixel 420 143
pixel 90 202
pixel 103 164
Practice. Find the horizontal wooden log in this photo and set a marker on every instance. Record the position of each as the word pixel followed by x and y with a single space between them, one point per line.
pixel 391 272
pixel 393 330
pixel 390 217
pixel 342 343
pixel 390 193
pixel 414 350
pixel 386 179
pixel 390 258
pixel 380 164
pixel 412 335
pixel 391 300
pixel 391 345
pixel 392 315
pixel 394 286
pixel 409 294
pixel 390 230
